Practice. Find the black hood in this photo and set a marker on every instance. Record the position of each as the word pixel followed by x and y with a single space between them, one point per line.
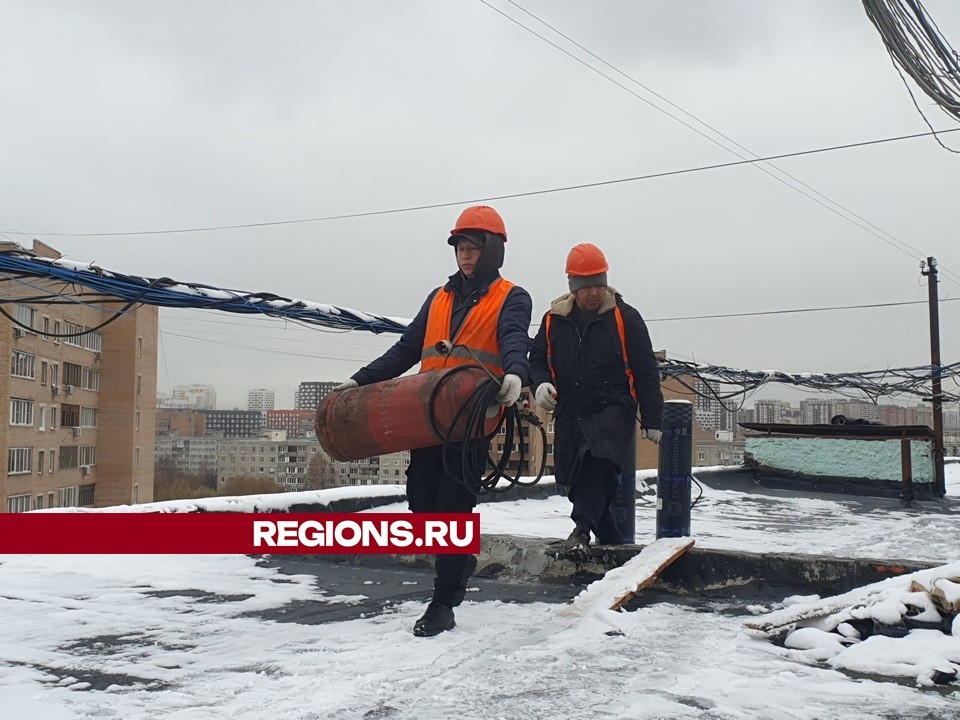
pixel 491 251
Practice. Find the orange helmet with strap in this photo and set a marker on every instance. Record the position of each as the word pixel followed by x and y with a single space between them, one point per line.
pixel 480 217
pixel 586 259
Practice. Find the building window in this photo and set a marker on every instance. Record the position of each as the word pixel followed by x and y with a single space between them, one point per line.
pixel 18 503
pixel 67 497
pixel 44 371
pixel 139 347
pixel 46 330
pixel 137 421
pixel 51 466
pixel 86 494
pixel 139 378
pixel 27 316
pixel 21 412
pixel 23 365
pixel 69 416
pixel 72 374
pixel 19 460
pixel 93 340
pixel 91 379
pixel 53 417
pixel 136 457
pixel 88 454
pixel 88 417
pixel 39 502
pixel 56 338
pixel 73 334
pixel 40 458
pixel 69 456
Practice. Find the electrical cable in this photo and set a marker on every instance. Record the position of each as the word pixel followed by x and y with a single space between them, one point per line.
pixel 468 437
pixel 700 496
pixel 505 196
pixel 917 47
pixel 795 310
pixel 165 292
pixel 779 175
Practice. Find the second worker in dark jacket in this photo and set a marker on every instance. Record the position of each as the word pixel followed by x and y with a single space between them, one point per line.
pixel 593 365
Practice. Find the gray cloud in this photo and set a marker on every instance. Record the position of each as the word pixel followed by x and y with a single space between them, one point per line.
pixel 123 116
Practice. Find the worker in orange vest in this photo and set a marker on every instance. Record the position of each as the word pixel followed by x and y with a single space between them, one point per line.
pixel 594 367
pixel 486 318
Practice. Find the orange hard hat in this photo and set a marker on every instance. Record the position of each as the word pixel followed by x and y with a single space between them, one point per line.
pixel 586 259
pixel 480 217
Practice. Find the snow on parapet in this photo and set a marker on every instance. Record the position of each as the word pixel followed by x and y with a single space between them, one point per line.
pixel 267 502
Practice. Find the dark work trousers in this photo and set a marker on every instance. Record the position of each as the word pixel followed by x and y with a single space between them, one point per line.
pixel 592 493
pixel 431 489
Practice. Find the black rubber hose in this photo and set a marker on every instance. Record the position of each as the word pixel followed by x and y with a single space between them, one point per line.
pixel 474 449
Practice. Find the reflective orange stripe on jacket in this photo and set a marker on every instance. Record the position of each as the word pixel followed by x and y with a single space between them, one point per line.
pixel 477 333
pixel 621 330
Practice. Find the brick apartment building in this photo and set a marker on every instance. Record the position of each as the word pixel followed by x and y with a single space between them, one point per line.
pixel 78 420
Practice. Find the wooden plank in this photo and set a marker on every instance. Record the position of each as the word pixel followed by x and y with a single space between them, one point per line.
pixel 619 585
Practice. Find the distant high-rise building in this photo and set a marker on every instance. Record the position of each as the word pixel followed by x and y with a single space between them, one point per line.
pixel 770 411
pixel 310 394
pixel 817 411
pixel 710 411
pixel 260 399
pixel 858 409
pixel 195 397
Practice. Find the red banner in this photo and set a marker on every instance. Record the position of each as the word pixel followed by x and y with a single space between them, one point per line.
pixel 239 533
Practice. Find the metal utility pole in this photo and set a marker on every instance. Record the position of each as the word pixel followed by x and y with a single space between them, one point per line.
pixel 937 399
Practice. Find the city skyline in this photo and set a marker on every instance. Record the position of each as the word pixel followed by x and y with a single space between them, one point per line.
pixel 262 159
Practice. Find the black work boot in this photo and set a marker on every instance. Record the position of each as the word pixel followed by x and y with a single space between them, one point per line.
pixel 435 620
pixel 578 542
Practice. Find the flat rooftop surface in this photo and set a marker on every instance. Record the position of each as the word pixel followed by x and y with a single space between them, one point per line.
pixel 196 637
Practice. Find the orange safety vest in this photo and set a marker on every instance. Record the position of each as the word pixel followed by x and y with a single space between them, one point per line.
pixel 623 345
pixel 477 333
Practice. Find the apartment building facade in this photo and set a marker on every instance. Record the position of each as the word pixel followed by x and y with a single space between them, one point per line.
pixel 195 396
pixel 189 454
pixel 78 413
pixel 261 400
pixel 272 455
pixel 310 394
pixel 235 423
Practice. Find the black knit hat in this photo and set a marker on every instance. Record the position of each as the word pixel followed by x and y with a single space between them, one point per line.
pixel 581 281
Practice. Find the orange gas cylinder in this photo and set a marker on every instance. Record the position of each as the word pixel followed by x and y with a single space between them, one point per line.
pixel 395 415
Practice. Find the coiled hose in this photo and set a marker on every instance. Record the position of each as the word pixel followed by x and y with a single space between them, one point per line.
pixel 474 447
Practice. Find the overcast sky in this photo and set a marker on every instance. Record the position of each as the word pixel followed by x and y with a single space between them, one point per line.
pixel 141 116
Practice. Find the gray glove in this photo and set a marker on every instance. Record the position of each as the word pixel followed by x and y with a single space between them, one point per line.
pixel 546 396
pixel 346 385
pixel 509 389
pixel 652 435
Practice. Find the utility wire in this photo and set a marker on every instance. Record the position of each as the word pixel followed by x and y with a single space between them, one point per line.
pixel 796 310
pixel 762 165
pixel 506 196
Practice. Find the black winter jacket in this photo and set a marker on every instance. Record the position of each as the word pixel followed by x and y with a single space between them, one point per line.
pixel 512 329
pixel 595 409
